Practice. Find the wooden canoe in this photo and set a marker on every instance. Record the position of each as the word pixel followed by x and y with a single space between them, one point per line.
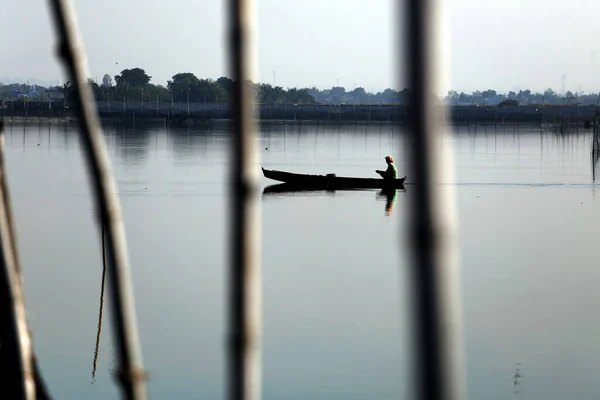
pixel 331 182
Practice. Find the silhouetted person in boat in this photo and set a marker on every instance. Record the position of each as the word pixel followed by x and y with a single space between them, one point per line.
pixel 391 172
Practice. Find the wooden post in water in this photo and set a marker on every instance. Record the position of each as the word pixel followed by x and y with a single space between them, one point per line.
pixel 438 353
pixel 16 357
pixel 130 373
pixel 244 294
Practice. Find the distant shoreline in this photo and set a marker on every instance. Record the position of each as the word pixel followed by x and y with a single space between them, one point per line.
pixel 209 113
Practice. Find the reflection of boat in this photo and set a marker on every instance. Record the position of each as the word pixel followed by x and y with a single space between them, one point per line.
pixel 390 195
pixel 330 181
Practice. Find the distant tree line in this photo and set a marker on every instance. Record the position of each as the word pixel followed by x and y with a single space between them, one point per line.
pixel 134 85
pixel 522 97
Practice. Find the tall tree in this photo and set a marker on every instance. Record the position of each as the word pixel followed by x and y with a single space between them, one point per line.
pixel 181 84
pixel 225 83
pixel 135 77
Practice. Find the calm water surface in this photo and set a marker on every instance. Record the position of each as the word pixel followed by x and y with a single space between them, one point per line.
pixel 334 273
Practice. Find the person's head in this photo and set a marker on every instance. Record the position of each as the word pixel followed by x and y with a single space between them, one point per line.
pixel 389 159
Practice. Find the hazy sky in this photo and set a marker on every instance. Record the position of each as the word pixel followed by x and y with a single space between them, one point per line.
pixel 498 44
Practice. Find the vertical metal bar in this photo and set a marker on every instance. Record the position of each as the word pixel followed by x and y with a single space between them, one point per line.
pixel 436 314
pixel 244 317
pixel 130 375
pixel 16 352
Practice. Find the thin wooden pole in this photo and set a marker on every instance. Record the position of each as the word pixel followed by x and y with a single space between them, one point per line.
pixel 16 355
pixel 435 312
pixel 244 316
pixel 130 373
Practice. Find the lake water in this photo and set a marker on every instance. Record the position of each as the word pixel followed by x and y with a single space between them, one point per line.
pixel 334 268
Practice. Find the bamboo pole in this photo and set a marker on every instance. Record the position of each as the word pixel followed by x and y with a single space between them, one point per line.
pixel 244 308
pixel 16 352
pixel 130 373
pixel 432 225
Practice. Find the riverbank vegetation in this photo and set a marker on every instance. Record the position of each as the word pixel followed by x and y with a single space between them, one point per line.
pixel 135 85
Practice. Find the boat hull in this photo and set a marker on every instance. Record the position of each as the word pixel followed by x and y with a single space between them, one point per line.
pixel 326 182
pixel 286 188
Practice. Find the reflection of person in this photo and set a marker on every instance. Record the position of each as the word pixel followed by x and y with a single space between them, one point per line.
pixel 390 200
pixel 391 172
